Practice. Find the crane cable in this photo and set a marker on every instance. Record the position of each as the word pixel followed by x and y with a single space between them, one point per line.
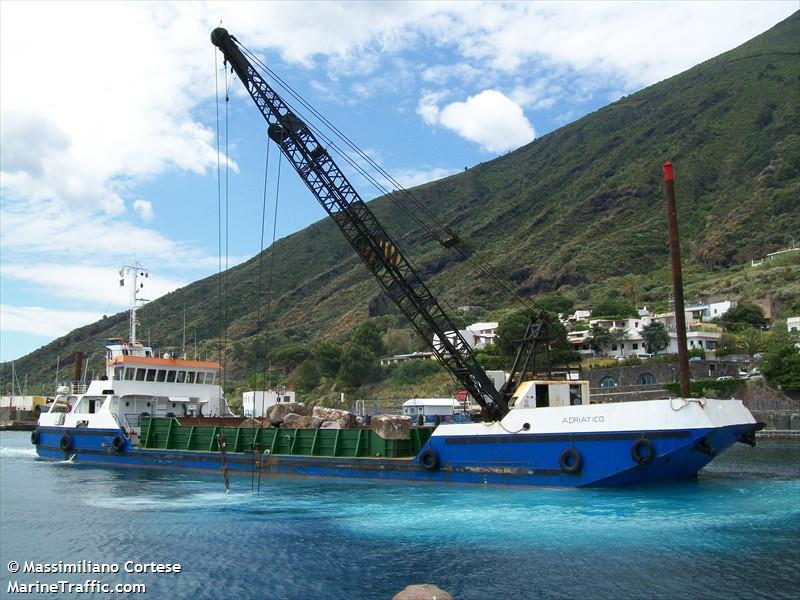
pixel 258 320
pixel 268 364
pixel 480 264
pixel 219 212
pixel 468 253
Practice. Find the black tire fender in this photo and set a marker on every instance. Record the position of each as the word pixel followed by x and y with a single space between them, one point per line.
pixel 429 459
pixel 642 451
pixel 118 443
pixel 35 437
pixel 571 461
pixel 66 443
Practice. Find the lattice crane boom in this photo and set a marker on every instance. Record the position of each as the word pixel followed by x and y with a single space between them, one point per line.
pixel 363 231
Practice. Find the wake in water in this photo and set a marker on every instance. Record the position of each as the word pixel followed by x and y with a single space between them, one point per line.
pixel 149 502
pixel 18 453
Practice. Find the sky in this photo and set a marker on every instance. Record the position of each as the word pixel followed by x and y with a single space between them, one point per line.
pixel 109 112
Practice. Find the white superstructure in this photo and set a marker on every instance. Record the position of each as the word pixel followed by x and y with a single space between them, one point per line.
pixel 137 383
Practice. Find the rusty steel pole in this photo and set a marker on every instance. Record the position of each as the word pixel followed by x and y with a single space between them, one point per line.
pixel 677 276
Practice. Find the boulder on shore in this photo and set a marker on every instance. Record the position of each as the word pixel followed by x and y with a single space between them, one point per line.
pixel 330 425
pixel 391 427
pixel 425 591
pixel 277 412
pixel 346 419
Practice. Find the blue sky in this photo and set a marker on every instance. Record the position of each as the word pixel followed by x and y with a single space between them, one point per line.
pixel 107 118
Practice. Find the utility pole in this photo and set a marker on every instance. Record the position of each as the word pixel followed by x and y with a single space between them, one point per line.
pixel 677 276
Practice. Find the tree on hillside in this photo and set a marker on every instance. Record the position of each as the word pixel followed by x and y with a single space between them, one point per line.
pixel 618 337
pixel 359 366
pixel 289 355
pixel 369 335
pixel 751 342
pixel 511 330
pixel 490 357
pixel 329 357
pixel 306 377
pixel 599 338
pixel 782 361
pixel 728 344
pixel 631 291
pixel 554 303
pixel 614 309
pixel 742 316
pixel 398 341
pixel 655 337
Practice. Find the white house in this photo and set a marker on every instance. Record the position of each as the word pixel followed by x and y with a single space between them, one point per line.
pixel 579 340
pixel 709 310
pixel 633 343
pixel 257 403
pixel 701 340
pixel 477 335
pixel 399 358
pixel 793 325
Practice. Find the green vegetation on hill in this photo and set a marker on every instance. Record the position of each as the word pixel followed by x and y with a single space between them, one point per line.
pixel 574 218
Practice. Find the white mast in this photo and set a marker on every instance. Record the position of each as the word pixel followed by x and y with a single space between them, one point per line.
pixel 138 271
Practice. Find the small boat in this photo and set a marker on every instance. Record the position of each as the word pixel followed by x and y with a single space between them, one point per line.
pixel 107 412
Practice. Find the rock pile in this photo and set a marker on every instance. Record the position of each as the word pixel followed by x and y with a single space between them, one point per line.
pixel 278 412
pixel 299 416
pixel 391 427
pixel 345 419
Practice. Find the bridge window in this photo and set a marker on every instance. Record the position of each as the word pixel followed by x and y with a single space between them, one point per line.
pixel 190 377
pixel 140 373
pixel 608 382
pixel 647 379
pixel 129 374
pixel 162 375
pixel 119 372
pixel 181 377
pixel 151 374
pixel 170 376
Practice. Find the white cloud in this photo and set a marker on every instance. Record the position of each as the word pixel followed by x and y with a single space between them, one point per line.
pixel 409 178
pixel 43 321
pixel 540 94
pixel 143 208
pixel 489 118
pixel 97 286
pixel 428 107
pixel 639 42
pixel 99 98
pixel 45 230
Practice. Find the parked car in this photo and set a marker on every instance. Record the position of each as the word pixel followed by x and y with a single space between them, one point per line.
pixel 725 378
pixel 644 356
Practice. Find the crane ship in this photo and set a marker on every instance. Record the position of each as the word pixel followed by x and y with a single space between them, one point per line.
pixel 533 429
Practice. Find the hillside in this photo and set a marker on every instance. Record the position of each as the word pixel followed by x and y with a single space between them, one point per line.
pixel 576 211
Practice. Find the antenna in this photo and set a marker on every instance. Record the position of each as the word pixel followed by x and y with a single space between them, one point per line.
pixel 138 271
pixel 183 343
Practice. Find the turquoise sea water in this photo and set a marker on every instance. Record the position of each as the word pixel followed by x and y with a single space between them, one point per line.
pixel 733 533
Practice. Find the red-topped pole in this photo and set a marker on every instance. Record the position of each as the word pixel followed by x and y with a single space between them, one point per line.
pixel 677 276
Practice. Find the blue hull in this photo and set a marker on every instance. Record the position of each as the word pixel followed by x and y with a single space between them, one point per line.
pixel 532 460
